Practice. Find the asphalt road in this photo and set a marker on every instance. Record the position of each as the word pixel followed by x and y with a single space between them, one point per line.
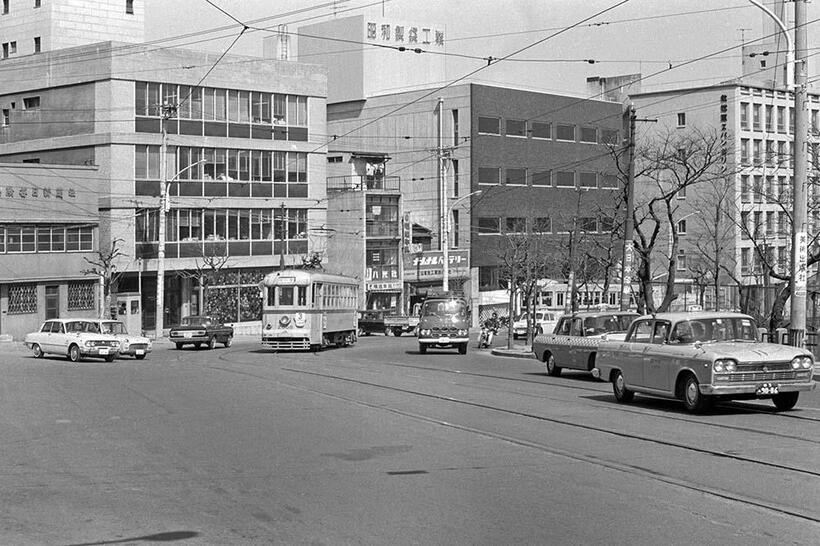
pixel 377 444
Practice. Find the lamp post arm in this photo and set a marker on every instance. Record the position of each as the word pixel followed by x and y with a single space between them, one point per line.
pixel 789 43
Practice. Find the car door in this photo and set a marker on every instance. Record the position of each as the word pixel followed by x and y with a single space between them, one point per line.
pixel 43 337
pixel 632 352
pixel 563 339
pixel 58 340
pixel 657 358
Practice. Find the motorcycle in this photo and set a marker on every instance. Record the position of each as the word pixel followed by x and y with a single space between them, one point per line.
pixel 485 338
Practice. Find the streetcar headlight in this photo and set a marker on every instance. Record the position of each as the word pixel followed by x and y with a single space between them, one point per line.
pixel 284 320
pixel 268 326
pixel 801 362
pixel 724 365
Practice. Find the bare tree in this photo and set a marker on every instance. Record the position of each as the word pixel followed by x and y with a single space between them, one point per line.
pixel 205 270
pixel 104 266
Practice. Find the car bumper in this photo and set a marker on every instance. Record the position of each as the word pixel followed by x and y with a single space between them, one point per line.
pixel 101 352
pixel 718 390
pixel 443 341
pixel 191 339
pixel 135 351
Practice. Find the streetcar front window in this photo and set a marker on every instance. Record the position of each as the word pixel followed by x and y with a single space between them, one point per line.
pixel 286 295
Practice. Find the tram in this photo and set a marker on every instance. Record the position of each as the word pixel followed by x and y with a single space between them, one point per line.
pixel 303 309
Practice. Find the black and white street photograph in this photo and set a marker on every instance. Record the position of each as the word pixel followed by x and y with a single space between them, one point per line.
pixel 381 272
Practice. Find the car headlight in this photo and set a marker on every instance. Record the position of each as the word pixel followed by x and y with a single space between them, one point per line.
pixel 724 365
pixel 89 343
pixel 462 332
pixel 425 332
pixel 804 362
pixel 115 344
pixel 268 326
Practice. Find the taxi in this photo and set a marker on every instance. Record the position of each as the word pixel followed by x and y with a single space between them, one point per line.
pixel 73 338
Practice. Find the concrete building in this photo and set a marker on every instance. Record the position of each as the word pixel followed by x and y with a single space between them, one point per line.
pixel 49 226
pixel 34 26
pixel 364 214
pixel 247 177
pixel 756 125
pixel 478 162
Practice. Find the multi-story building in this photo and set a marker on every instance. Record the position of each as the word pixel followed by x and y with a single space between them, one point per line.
pixel 487 161
pixel 35 26
pixel 364 218
pixel 245 166
pixel 49 235
pixel 756 125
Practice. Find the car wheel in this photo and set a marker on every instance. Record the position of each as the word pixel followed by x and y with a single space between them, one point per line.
pixel 515 336
pixel 140 357
pixel 462 348
pixel 37 350
pixel 622 394
pixel 422 348
pixel 179 346
pixel 110 358
pixel 74 353
pixel 552 368
pixel 197 346
pixel 360 332
pixel 211 342
pixel 785 400
pixel 693 400
pixel 397 332
pixel 228 342
pixel 387 331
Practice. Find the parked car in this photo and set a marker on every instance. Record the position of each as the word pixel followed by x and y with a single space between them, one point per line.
pixel 545 321
pixel 198 330
pixel 73 338
pixel 701 357
pixel 130 345
pixel 574 342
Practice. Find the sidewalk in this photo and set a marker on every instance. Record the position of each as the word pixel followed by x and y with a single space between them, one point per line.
pixel 517 351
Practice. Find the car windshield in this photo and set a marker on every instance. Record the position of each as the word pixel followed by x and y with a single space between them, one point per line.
pixel 445 308
pixel 607 323
pixel 78 326
pixel 714 329
pixel 194 321
pixel 113 328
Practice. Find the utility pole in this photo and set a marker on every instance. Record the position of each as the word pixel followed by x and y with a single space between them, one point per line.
pixel 797 325
pixel 629 119
pixel 444 223
pixel 167 112
pixel 284 226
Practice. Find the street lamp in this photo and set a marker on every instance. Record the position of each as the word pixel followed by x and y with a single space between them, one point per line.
pixel 164 205
pixel 445 240
pixel 789 43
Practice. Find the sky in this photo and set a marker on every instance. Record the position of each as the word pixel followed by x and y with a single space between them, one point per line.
pixel 637 36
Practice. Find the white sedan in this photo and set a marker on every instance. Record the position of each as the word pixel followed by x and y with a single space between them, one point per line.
pixel 545 322
pixel 130 345
pixel 74 339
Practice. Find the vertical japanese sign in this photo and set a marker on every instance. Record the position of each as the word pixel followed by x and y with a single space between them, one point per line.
pixel 801 241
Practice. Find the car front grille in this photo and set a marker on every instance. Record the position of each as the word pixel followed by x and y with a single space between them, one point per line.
pixel 753 367
pixel 101 343
pixel 784 375
pixel 138 346
pixel 444 332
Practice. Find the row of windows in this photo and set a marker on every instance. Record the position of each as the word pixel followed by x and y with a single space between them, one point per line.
pixel 491 225
pixel 519 128
pixel 46 239
pixel 768 189
pixel 223 225
pixel 23 297
pixel 222 164
pixel 771 118
pixel 764 223
pixel 560 179
pixel 211 104
pixel 751 262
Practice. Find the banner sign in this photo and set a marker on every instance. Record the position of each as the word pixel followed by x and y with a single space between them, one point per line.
pixel 429 265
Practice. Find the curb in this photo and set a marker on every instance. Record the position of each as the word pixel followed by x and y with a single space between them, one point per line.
pixel 512 353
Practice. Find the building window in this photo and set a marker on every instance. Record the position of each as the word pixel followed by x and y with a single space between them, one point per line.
pixel 588 224
pixel 541 224
pixel 516 128
pixel 5 50
pixel 334 159
pixel 769 118
pixel 489 225
pixel 565 179
pixel 781 119
pixel 516 177
pixel 541 130
pixel 454 231
pixel 565 132
pixel 454 164
pixel 588 180
pixel 609 181
pixel 609 136
pixel 681 119
pixel 681 229
pixel 542 178
pixel 681 261
pixel 5 6
pixel 744 115
pixel 516 225
pixel 756 117
pixel 22 299
pixel 31 103
pixel 489 126
pixel 454 114
pixel 37 44
pixel 6 117
pixel 745 189
pixel 589 135
pixel 488 175
pixel 37 3
pixel 129 7
pixel 81 295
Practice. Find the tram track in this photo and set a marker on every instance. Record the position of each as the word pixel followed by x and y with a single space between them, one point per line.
pixel 636 470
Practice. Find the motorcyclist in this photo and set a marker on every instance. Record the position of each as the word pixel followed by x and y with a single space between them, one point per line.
pixel 491 326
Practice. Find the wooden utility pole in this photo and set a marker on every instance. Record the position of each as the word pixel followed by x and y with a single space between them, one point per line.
pixel 284 226
pixel 629 220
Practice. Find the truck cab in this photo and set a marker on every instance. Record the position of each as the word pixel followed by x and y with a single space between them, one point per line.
pixel 444 323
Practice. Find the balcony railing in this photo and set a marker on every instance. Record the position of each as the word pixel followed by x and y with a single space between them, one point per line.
pixel 364 183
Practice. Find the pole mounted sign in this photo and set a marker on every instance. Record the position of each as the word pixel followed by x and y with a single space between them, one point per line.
pixel 429 265
pixel 801 265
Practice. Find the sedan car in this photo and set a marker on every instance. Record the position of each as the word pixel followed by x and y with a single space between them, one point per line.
pixel 130 345
pixel 198 330
pixel 702 357
pixel 545 321
pixel 74 339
